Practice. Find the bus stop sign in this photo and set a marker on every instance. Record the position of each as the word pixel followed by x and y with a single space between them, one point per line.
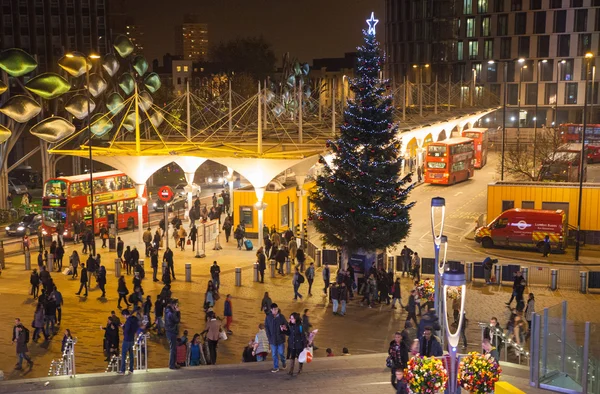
pixel 165 193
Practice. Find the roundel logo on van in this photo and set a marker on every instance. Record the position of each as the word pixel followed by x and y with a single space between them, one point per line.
pixel 522 225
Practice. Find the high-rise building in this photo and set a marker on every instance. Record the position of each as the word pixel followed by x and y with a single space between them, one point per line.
pixel 191 39
pixel 50 28
pixel 466 39
pixel 136 35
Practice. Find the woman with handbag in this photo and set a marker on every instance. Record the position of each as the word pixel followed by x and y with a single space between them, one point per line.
pixel 182 236
pixel 193 237
pixel 296 340
pixel 397 355
pixel 213 334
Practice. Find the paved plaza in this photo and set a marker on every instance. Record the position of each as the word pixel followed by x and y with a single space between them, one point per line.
pixel 362 330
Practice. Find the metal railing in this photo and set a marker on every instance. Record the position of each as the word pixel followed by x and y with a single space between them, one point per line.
pixel 65 366
pixel 140 355
pixel 499 336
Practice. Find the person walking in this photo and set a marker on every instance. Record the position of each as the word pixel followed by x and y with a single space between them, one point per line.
pixel 227 225
pixel 300 257
pixel 546 247
pixel 265 304
pixel 398 354
pixel 120 247
pixel 74 261
pixel 280 257
pixel 274 322
pixel 134 258
pixel 297 280
pixel 296 340
pixel 239 236
pixel 326 278
pixel 182 234
pixel 334 295
pixel 518 277
pixel 21 339
pixel 123 291
pixel 292 250
pixel 411 307
pixel 60 252
pixel 168 257
pixel 429 344
pixel 261 259
pixel 103 236
pixel 396 294
pixel 520 289
pixel 212 331
pixel 126 258
pixel 38 322
pixel 495 334
pixel 530 310
pixel 147 238
pixel 406 255
pixel 228 313
pixel 310 275
pixel 215 274
pixel 416 266
pixel 343 297
pixel 83 279
pixel 172 319
pixel 488 264
pixel 154 263
pixel 130 328
pixel 34 280
pixel 101 280
pixel 193 236
pixel 58 299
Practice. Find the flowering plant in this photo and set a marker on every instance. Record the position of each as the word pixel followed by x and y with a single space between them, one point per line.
pixel 454 292
pixel 478 373
pixel 426 289
pixel 426 375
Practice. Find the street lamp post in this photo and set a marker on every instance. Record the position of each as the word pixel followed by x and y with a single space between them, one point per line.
pixel 535 121
pixel 523 65
pixel 420 75
pixel 588 59
pixel 454 279
pixel 438 214
pixel 91 57
pixel 504 100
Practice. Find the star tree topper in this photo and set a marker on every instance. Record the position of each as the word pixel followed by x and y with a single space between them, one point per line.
pixel 372 23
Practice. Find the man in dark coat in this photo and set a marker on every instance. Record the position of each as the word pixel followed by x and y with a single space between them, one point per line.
pixel 168 257
pixel 273 327
pixel 262 263
pixel 429 345
pixel 134 257
pixel 21 339
pixel 83 279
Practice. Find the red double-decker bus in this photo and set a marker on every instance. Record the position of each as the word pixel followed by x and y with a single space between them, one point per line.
pixel 450 161
pixel 480 139
pixel 67 200
pixel 571 132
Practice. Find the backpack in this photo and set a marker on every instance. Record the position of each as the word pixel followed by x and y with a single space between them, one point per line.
pixel 307 273
pixel 26 332
pixel 300 278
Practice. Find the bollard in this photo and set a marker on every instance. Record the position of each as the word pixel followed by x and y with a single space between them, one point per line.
pixel 141 262
pixel 2 263
pixel 288 266
pixel 469 271
pixel 273 268
pixel 117 268
pixel 498 274
pixel 27 260
pixel 188 272
pixel 164 267
pixel 255 276
pixel 525 273
pixel 50 263
pixel 553 279
pixel 238 277
pixel 319 258
pixel 583 275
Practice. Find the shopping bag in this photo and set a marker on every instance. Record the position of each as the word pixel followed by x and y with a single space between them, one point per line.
pixel 306 355
pixel 189 241
pixel 222 335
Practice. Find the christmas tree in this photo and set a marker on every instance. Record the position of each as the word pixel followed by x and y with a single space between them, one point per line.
pixel 360 198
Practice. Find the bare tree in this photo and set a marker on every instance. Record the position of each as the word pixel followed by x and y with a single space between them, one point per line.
pixel 523 161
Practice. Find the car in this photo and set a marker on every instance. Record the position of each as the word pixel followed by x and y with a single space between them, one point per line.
pixel 15 186
pixel 179 189
pixel 26 226
pixel 216 180
pixel 178 203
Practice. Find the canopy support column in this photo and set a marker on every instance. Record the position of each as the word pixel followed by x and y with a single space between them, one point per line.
pixel 140 201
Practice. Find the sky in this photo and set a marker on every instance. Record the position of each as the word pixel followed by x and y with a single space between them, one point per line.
pixel 307 29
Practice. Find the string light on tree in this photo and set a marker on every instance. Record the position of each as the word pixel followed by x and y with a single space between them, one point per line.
pixel 360 200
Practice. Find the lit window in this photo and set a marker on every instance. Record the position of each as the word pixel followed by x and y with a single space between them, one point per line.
pixel 185 68
pixel 178 68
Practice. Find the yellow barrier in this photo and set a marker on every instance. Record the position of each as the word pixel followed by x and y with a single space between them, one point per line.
pixel 506 388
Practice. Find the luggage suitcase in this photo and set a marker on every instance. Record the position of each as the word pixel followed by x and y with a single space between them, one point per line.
pixel 248 244
pixel 67 271
pixel 181 355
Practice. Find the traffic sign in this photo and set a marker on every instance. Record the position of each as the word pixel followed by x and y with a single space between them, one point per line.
pixel 165 193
